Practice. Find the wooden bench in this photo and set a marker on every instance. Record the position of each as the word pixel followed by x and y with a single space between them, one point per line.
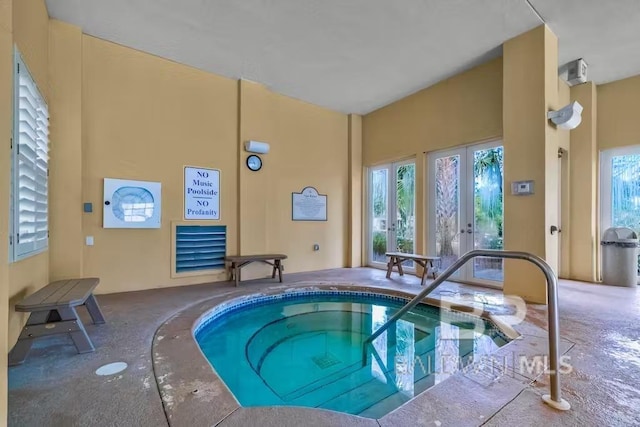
pixel 239 261
pixel 397 258
pixel 53 311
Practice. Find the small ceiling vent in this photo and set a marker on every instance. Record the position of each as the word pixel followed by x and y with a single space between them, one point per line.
pixel 577 72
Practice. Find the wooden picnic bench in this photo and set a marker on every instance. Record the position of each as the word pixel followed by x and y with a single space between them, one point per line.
pixel 397 258
pixel 239 261
pixel 53 311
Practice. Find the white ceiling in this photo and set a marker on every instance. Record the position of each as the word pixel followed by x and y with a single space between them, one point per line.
pixel 355 56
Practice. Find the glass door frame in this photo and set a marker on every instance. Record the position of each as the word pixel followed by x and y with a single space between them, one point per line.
pixel 606 195
pixel 461 152
pixel 466 206
pixel 391 223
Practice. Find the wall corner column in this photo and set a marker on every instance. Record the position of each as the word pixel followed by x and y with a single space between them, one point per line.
pixel 530 89
pixel 66 240
pixel 583 160
pixel 6 129
pixel 354 252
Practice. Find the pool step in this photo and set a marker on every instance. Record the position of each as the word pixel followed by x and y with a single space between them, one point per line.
pixel 361 397
pixel 375 398
pixel 356 390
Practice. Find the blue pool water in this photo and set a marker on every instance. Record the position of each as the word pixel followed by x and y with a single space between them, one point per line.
pixel 306 350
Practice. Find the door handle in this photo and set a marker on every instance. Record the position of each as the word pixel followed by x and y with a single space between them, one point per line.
pixel 553 229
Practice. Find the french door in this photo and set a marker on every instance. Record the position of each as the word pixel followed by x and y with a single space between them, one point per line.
pixel 391 211
pixel 620 189
pixel 465 205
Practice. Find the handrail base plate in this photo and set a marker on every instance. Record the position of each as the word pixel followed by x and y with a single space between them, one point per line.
pixel 563 405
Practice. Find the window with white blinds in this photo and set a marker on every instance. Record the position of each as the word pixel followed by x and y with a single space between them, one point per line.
pixel 30 233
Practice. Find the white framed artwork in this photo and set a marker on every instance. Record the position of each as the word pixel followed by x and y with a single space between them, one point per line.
pixel 131 204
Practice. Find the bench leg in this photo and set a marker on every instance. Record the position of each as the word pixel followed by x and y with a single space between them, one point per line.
pixel 94 310
pixel 425 272
pixel 20 351
pixel 279 264
pixel 79 335
pixel 390 267
pixel 275 267
pixel 236 274
pixel 399 262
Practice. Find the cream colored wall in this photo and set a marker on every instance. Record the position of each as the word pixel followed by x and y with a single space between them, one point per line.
pixel 617 125
pixel 583 159
pixel 531 145
pixel 6 116
pixel 144 118
pixel 355 191
pixel 524 158
pixel 31 35
pixel 65 164
pixel 552 145
pixel 618 106
pixel 463 109
pixel 564 142
pixel 309 147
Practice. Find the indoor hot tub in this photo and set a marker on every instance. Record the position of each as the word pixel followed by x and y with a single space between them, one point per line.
pixel 305 348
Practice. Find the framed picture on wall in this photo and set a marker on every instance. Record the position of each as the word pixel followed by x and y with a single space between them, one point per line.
pixel 131 204
pixel 308 205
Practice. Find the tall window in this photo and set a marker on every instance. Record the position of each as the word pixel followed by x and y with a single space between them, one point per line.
pixel 620 189
pixel 30 145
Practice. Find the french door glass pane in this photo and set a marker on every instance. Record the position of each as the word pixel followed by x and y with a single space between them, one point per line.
pixel 447 209
pixel 625 193
pixel 405 209
pixel 487 211
pixel 379 200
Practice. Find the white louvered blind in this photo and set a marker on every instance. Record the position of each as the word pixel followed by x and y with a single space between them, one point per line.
pixel 30 166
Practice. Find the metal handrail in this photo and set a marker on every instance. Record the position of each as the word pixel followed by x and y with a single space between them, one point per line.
pixel 554 399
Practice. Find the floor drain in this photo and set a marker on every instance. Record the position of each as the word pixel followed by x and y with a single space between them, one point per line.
pixel 111 368
pixel 325 361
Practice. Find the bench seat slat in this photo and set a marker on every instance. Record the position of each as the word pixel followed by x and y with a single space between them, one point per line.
pixel 240 258
pixel 412 256
pixel 62 293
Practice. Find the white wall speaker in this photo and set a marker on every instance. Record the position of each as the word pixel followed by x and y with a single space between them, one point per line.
pixel 256 147
pixel 568 117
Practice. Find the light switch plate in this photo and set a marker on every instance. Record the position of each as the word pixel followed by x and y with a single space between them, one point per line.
pixel 89 240
pixel 522 188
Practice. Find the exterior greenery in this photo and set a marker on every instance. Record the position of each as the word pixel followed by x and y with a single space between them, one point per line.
pixel 405 210
pixel 625 192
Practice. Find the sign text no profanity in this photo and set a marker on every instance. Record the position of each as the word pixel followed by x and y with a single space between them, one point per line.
pixel 201 193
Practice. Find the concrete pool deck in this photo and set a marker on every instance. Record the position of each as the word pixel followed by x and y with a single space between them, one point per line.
pixel 600 327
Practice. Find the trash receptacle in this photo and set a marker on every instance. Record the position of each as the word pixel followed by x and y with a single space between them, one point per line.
pixel 620 257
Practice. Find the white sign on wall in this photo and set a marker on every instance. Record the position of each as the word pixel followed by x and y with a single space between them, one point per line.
pixel 308 205
pixel 201 193
pixel 131 204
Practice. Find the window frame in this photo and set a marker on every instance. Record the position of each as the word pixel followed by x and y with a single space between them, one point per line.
pixel 42 245
pixel 606 196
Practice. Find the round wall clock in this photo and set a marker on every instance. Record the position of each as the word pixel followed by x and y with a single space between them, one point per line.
pixel 254 162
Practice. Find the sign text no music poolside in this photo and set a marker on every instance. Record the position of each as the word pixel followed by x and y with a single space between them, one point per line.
pixel 201 193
